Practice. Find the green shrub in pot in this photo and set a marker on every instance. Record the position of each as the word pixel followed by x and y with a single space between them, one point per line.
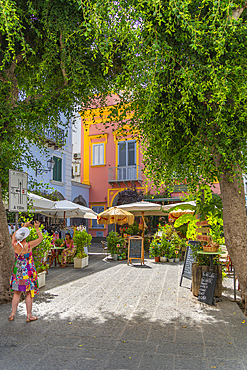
pixel 81 239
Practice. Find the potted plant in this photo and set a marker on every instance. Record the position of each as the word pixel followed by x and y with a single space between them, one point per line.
pixel 164 247
pixel 171 252
pixel 81 239
pixel 133 229
pixel 40 254
pixel 114 243
pixel 154 250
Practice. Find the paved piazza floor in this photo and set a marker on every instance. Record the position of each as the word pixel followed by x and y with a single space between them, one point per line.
pixel 113 316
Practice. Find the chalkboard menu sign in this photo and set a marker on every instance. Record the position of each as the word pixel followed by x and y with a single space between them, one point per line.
pixel 207 287
pixel 135 249
pixel 189 259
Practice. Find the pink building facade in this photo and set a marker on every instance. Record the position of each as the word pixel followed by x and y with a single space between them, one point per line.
pixel 110 162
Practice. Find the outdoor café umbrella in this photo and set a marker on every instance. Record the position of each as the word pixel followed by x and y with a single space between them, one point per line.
pixel 115 216
pixel 143 208
pixel 66 209
pixel 37 202
pixel 174 215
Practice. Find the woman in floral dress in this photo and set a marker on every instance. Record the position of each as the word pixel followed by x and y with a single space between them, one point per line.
pixel 69 251
pixel 24 276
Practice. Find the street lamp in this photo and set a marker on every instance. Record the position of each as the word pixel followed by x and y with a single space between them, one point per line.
pixel 50 166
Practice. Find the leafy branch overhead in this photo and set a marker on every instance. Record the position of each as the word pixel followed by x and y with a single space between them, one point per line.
pixel 47 68
pixel 184 76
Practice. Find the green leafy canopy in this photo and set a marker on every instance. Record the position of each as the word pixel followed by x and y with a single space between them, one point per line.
pixel 183 74
pixel 47 68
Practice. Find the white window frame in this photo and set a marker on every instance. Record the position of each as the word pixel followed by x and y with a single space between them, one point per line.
pixel 127 152
pixel 93 155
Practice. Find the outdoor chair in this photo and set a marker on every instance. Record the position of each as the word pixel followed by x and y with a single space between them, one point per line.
pixel 105 250
pixel 70 259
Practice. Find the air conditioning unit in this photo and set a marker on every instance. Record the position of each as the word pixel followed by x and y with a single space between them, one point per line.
pixel 77 155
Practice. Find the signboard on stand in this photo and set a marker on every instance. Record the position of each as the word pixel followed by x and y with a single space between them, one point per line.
pixel 135 249
pixel 207 287
pixel 189 259
pixel 17 191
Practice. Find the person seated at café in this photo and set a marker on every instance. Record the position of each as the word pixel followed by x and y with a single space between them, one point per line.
pixel 69 250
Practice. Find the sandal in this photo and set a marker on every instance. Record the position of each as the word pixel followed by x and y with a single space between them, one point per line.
pixel 62 266
pixel 11 317
pixel 32 318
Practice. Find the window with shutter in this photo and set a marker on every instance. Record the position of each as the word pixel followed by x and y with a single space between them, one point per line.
pixel 57 169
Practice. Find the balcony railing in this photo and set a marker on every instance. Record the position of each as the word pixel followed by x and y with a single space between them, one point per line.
pixel 125 173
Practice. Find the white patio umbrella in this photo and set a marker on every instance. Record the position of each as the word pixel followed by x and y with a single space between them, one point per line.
pixel 143 208
pixel 37 202
pixel 66 209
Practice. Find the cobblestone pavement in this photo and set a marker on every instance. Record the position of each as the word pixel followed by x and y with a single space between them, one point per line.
pixel 113 316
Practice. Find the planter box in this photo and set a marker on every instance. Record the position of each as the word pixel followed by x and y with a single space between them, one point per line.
pixel 171 259
pixel 197 276
pixel 115 257
pixel 176 259
pixel 41 278
pixel 163 259
pixel 157 259
pixel 79 263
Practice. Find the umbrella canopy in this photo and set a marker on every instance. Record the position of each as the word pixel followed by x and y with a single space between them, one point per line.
pixel 115 215
pixel 191 205
pixel 143 208
pixel 174 215
pixel 38 202
pixel 67 209
pixel 154 209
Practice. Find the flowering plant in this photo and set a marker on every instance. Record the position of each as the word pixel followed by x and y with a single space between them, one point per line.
pixel 154 249
pixel 41 251
pixel 114 242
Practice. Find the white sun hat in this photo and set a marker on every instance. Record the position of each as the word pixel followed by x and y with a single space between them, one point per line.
pixel 22 234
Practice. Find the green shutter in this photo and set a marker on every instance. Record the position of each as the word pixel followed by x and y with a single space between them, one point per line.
pixel 57 170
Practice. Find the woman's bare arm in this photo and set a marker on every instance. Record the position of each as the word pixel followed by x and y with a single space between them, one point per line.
pixel 36 242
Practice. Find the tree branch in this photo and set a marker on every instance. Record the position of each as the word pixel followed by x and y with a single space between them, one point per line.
pixel 237 12
pixel 62 66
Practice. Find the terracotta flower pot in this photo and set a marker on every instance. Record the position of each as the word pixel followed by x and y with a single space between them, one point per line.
pixel 157 259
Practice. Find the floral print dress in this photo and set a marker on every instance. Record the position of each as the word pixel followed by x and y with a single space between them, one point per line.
pixel 24 277
pixel 67 253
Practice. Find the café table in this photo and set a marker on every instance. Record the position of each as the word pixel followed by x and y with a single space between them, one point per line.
pixel 55 254
pixel 211 254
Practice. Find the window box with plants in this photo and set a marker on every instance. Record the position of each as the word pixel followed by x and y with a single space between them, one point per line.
pixel 81 239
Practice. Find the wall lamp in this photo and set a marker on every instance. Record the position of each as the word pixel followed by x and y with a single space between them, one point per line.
pixel 50 166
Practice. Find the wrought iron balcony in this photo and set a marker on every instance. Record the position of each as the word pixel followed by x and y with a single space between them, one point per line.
pixel 125 174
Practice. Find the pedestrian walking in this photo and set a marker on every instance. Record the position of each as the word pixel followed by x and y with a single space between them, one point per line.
pixel 24 276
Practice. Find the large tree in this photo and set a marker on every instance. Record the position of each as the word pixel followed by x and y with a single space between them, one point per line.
pixel 184 75
pixel 46 68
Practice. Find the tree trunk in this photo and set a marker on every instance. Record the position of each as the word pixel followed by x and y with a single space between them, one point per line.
pixel 235 229
pixel 7 256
